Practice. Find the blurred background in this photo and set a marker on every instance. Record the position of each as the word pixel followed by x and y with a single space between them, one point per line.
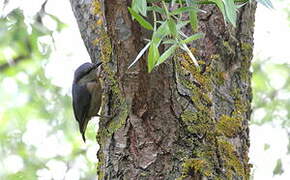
pixel 40 46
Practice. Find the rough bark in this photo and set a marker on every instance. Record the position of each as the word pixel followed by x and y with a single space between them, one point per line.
pixel 178 121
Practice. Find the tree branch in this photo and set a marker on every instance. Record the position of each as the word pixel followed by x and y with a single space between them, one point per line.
pixel 14 61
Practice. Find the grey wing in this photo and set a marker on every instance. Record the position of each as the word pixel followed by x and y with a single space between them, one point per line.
pixel 81 104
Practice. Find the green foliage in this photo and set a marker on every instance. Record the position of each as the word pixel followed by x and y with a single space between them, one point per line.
pixel 271 85
pixel 166 54
pixel 34 114
pixel 140 6
pixel 153 55
pixel 168 30
pixel 266 3
pixel 140 19
pixel 278 168
pixel 192 15
pixel 271 94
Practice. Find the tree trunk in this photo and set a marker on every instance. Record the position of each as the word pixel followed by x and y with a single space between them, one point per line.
pixel 177 122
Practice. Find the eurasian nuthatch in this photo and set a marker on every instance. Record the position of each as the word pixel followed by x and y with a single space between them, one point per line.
pixel 86 94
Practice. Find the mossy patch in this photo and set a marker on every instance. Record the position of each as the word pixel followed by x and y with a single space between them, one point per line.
pixel 119 118
pixel 194 166
pixel 96 7
pixel 228 126
pixel 230 160
pixel 109 126
pixel 213 156
pixel 197 122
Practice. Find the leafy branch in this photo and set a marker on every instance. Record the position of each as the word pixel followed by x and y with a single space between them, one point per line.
pixel 168 30
pixel 197 2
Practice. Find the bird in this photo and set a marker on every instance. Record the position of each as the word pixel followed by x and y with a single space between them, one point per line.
pixel 86 94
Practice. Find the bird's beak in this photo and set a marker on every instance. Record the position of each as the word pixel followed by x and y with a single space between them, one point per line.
pixel 98 64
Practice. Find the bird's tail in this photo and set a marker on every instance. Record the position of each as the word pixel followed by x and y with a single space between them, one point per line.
pixel 84 137
pixel 83 127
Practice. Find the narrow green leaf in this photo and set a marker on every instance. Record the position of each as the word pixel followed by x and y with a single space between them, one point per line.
pixel 241 5
pixel 228 9
pixel 142 6
pixel 266 3
pixel 163 29
pixel 150 60
pixel 140 19
pixel 160 33
pixel 170 41
pixel 231 11
pixel 153 56
pixel 172 27
pixel 221 6
pixel 134 5
pixel 156 9
pixel 183 10
pixel 180 24
pixel 172 3
pixel 182 34
pixel 167 54
pixel 192 38
pixel 192 15
pixel 186 49
pixel 193 20
pixel 140 54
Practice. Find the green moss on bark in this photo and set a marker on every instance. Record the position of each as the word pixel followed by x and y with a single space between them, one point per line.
pixel 109 126
pixel 198 166
pixel 230 160
pixel 228 126
pixel 213 156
